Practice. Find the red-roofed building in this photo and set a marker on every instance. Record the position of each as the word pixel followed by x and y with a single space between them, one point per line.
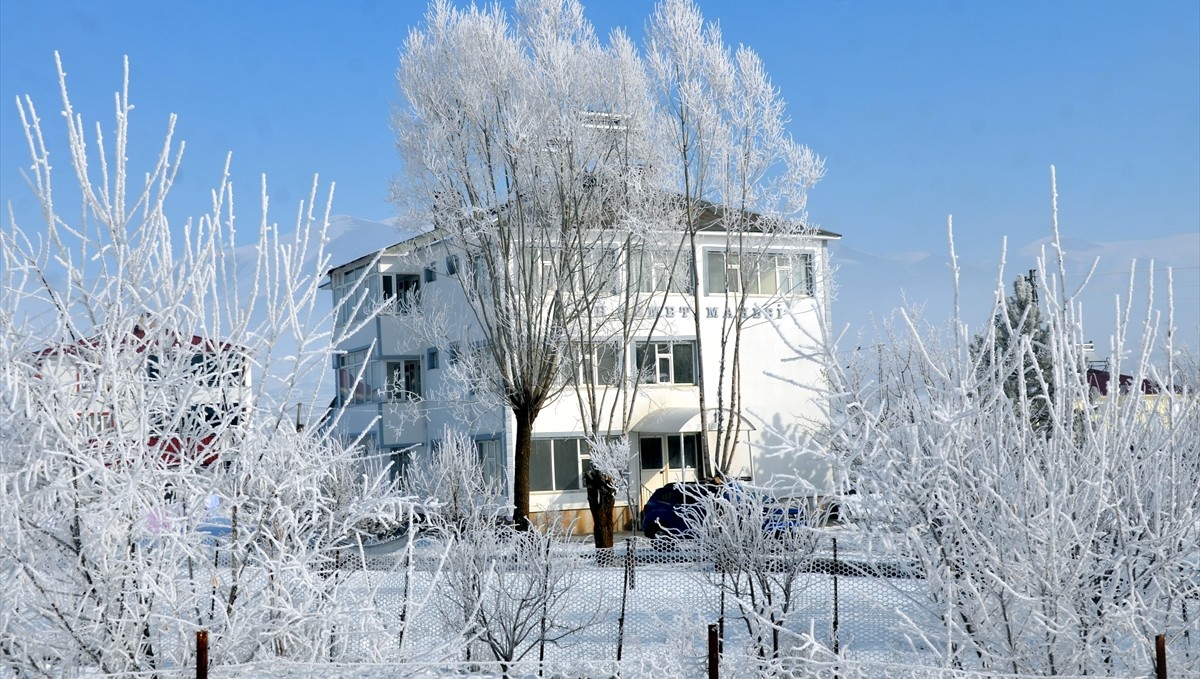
pixel 182 394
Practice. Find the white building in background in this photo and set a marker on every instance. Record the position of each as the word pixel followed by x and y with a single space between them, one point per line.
pixel 407 393
pixel 183 395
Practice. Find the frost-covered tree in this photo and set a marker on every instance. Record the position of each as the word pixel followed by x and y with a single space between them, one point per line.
pixel 1061 549
pixel 510 591
pixel 151 481
pixel 569 178
pixel 735 169
pixel 1015 351
pixel 450 485
pixel 762 552
pixel 523 145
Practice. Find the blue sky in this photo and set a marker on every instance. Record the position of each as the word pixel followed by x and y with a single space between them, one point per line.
pixel 921 109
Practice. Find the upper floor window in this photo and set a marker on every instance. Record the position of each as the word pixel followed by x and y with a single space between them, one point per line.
pixel 599 364
pixel 401 291
pixel 218 369
pixel 662 271
pixel 667 362
pixel 209 369
pixel 354 383
pixel 403 380
pixel 767 273
pixel 349 295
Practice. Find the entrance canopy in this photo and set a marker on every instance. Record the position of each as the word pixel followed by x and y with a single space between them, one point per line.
pixel 681 420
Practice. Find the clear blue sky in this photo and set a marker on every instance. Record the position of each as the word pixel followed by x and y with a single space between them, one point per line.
pixel 921 109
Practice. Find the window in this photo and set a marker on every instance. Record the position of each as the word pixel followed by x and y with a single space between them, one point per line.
pixel 398 460
pixel 451 265
pixel 667 362
pixel 601 273
pixel 403 380
pixel 216 369
pixel 558 464
pixel 153 367
pixel 198 421
pixel 431 359
pixel 662 271
pixel 602 364
pixel 351 389
pixel 599 365
pixel 770 273
pixel 96 424
pixel 491 460
pixel 349 295
pixel 430 274
pixel 401 291
pixel 682 452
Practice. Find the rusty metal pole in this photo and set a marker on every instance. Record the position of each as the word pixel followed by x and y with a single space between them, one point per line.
pixel 201 654
pixel 1160 656
pixel 714 658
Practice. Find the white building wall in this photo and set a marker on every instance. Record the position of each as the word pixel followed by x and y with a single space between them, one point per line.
pixel 781 396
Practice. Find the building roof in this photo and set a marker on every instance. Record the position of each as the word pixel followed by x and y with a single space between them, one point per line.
pixel 1100 380
pixel 137 339
pixel 712 219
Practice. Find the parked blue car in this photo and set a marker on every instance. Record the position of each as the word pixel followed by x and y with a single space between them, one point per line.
pixel 670 508
pixel 677 508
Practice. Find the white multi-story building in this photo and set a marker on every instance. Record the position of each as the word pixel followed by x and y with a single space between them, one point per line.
pixel 399 387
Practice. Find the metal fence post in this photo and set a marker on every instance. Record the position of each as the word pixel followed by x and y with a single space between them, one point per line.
pixel 836 611
pixel 714 657
pixel 1160 656
pixel 201 654
pixel 627 584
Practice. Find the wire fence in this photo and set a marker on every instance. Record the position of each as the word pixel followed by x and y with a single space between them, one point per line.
pixel 643 609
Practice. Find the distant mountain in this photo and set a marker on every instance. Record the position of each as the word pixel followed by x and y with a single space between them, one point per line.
pixel 869 286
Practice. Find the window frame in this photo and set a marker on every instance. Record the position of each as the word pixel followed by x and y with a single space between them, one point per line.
pixel 687 458
pixel 400 292
pixel 651 372
pixel 660 271
pixel 400 391
pixel 725 272
pixel 581 456
pixel 348 366
pixel 342 283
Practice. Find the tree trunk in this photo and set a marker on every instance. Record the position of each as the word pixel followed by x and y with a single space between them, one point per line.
pixel 521 458
pixel 706 463
pixel 601 499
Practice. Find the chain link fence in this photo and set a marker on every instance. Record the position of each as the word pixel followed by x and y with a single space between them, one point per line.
pixel 642 609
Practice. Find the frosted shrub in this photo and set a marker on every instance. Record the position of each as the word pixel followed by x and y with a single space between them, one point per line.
pixel 1055 528
pixel 151 482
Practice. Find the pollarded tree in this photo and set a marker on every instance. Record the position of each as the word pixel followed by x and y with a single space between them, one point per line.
pixel 1015 351
pixel 524 145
